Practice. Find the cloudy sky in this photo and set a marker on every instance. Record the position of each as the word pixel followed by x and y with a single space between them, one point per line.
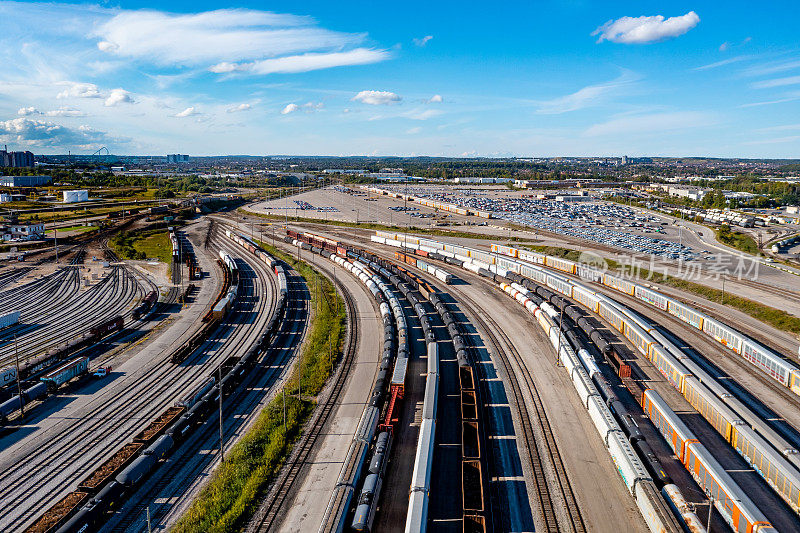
pixel 570 77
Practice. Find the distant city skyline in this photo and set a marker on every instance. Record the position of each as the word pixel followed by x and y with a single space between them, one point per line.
pixel 438 79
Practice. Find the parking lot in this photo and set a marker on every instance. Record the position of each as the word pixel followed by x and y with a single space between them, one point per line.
pixel 598 221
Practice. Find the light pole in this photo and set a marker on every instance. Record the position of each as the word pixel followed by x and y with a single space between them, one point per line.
pixel 19 387
pixel 221 445
pixel 560 329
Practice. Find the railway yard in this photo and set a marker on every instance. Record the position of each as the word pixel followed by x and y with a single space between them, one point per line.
pixel 479 384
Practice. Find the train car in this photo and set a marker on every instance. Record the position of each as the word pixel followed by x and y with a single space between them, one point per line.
pixel 686 313
pixel 652 297
pixel 638 337
pixel 66 372
pixel 565 265
pixel 9 319
pixel 8 375
pixel 618 283
pixel 611 313
pixel 367 503
pixel 669 366
pixel 770 363
pixel 559 284
pixel 586 297
pixel 729 499
pixel 107 327
pixel 772 466
pixel 723 334
pixel 720 416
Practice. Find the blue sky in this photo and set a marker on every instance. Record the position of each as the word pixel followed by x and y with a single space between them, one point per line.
pixel 417 78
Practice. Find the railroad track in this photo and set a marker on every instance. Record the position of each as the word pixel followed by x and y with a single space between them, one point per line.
pixel 185 468
pixel 65 319
pixel 268 514
pixel 30 482
pixel 538 453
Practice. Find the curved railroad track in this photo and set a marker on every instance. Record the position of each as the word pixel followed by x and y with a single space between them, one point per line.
pixel 269 513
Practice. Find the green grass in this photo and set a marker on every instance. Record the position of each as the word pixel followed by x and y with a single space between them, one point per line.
pixel 740 241
pixel 81 229
pixel 143 245
pixel 239 484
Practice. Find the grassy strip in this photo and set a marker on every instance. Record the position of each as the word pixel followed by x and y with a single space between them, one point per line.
pixel 776 318
pixel 741 241
pixel 143 245
pixel 386 227
pixel 79 229
pixel 238 485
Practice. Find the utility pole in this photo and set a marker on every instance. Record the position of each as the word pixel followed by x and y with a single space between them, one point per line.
pixel 723 289
pixel 19 386
pixel 219 384
pixel 560 329
pixel 55 232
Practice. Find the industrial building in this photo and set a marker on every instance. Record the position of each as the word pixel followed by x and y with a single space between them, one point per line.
pixel 76 196
pixel 22 231
pixel 24 181
pixel 15 159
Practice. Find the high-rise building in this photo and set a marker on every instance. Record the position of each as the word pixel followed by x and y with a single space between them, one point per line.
pixel 15 159
pixel 177 158
pixel 624 160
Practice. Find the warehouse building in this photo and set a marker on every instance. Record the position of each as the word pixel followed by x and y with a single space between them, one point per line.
pixel 24 181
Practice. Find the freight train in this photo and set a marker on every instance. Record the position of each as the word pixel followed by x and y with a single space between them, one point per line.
pixel 62 351
pixel 372 271
pixel 145 305
pixel 766 360
pixel 50 358
pixel 758 451
pixel 106 488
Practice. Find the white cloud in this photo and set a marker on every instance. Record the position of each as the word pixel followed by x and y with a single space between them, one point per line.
pixel 79 90
pixel 304 62
pixel 587 96
pixel 724 62
pixel 413 131
pixel 229 40
pixel 777 82
pixel 424 114
pixel 239 108
pixel 788 97
pixel 39 133
pixel 436 99
pixel 651 123
pixel 724 46
pixel 773 68
pixel 642 30
pixel 377 97
pixel 118 96
pixel 188 112
pixel 60 112
pixel 65 112
pixel 308 107
pixel 422 41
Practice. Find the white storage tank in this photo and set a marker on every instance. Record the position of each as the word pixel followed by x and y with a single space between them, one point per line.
pixel 70 197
